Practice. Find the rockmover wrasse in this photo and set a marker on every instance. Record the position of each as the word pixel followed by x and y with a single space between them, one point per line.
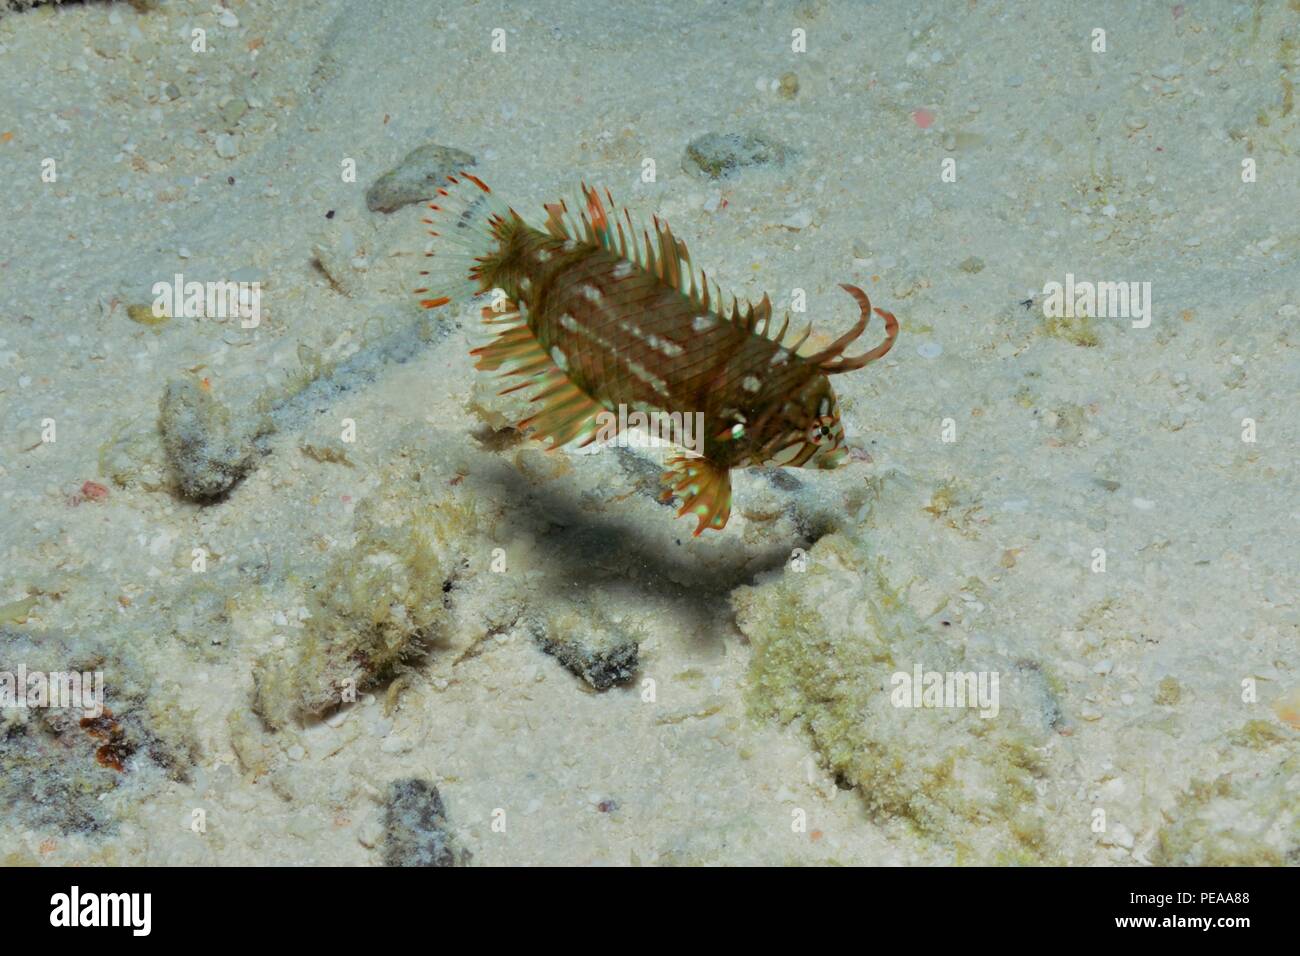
pixel 595 316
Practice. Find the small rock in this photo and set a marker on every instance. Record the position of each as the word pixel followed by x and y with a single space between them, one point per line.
pixel 722 154
pixel 416 177
pixel 226 146
pixel 972 265
pixel 206 454
pixel 800 219
pixel 232 111
pixel 591 646
pixel 415 827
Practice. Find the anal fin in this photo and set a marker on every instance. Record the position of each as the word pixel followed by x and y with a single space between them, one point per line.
pixel 567 411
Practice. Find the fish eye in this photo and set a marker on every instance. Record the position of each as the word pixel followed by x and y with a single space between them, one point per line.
pixel 821 430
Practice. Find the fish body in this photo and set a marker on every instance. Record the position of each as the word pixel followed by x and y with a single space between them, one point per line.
pixel 599 317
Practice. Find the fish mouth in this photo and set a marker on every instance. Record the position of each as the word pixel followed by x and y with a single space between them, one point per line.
pixel 831 459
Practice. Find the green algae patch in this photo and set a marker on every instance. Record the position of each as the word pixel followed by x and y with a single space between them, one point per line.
pixel 16 612
pixel 1235 820
pixel 1077 330
pixel 144 315
pixel 381 602
pixel 829 645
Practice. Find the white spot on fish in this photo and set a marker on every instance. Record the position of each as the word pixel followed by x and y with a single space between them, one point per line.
pixel 559 358
pixel 645 375
pixel 570 245
pixel 781 357
pixel 671 349
pixel 542 255
pixel 750 383
pixel 569 322
pixel 623 270
pixel 591 293
pixel 702 323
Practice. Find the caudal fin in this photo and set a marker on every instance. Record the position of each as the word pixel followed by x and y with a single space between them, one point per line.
pixel 463 219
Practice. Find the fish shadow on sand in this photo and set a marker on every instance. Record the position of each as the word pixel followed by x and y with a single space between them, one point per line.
pixel 586 550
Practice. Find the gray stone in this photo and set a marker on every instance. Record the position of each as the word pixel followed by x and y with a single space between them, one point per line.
pixel 416 177
pixel 589 645
pixel 717 155
pixel 415 827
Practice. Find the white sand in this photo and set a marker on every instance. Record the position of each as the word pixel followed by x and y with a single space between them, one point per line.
pixel 1115 166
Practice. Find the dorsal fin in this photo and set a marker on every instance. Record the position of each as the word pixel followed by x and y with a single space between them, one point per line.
pixel 555 223
pixel 661 254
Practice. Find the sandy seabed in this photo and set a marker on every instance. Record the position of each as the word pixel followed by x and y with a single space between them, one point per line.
pixel 229 522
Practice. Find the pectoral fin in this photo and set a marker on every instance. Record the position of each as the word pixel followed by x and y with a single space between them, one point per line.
pixel 705 489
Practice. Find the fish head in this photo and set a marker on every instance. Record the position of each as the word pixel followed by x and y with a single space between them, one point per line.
pixel 806 431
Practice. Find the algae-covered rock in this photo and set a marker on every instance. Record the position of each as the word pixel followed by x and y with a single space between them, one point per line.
pixel 380 602
pixel 415 827
pixel 74 769
pixel 415 178
pixel 717 155
pixel 1236 820
pixel 587 642
pixel 207 451
pixel 838 648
